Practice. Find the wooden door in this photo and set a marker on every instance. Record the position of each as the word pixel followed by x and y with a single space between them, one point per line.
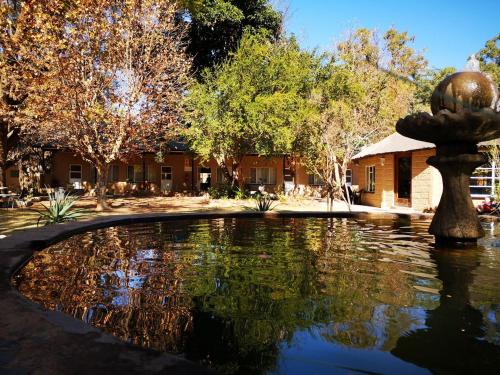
pixel 402 180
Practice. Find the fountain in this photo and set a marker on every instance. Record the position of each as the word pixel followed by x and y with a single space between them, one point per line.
pixel 465 111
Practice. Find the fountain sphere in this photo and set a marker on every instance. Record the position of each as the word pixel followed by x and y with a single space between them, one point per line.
pixel 464 91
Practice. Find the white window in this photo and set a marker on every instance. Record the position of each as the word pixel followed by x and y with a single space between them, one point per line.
pixel 75 172
pixel 370 179
pixel 166 173
pixel 484 180
pixel 314 179
pixel 348 177
pixel 263 176
pixel 166 178
pixel 114 173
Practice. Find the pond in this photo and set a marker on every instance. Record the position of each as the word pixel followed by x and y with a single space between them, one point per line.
pixel 282 296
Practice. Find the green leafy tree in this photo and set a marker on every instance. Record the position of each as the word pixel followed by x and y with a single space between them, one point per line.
pixel 425 86
pixel 360 94
pixel 403 60
pixel 489 58
pixel 216 27
pixel 255 102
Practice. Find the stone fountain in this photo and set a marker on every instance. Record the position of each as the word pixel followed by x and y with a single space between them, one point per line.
pixel 465 111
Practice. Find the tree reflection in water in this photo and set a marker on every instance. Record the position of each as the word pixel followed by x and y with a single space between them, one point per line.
pixel 233 293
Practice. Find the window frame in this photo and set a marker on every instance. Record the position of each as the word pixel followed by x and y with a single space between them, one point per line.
pixel 270 176
pixel 167 173
pixel 370 178
pixel 316 180
pixel 112 176
pixel 137 168
pixel 348 176
pixel 72 179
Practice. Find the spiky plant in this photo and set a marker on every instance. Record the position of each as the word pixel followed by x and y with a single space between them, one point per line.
pixel 264 203
pixel 60 209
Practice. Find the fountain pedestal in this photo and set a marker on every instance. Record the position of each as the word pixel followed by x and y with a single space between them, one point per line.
pixel 456 219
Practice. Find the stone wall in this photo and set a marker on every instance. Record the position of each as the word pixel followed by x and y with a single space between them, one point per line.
pixel 426 184
pixel 383 196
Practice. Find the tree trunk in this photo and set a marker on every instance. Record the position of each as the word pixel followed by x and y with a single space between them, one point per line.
pixel 3 154
pixel 228 177
pixel 329 199
pixel 101 187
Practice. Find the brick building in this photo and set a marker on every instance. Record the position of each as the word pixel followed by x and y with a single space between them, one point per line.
pixel 176 172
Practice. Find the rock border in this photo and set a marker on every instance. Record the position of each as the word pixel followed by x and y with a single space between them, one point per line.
pixel 34 340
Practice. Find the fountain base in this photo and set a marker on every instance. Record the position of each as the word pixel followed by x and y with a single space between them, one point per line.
pixel 456 220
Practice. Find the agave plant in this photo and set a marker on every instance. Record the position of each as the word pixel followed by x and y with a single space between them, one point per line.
pixel 264 203
pixel 59 209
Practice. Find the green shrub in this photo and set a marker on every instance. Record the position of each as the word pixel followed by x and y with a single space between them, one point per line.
pixel 218 192
pixel 60 209
pixel 240 193
pixel 226 192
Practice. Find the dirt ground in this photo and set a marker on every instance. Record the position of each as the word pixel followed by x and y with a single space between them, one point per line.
pixel 18 219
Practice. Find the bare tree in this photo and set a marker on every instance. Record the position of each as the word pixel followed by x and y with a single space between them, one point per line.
pixel 116 84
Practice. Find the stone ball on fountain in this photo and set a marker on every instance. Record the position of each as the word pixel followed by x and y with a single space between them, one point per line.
pixel 464 91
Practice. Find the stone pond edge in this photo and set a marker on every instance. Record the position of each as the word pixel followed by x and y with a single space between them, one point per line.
pixel 52 330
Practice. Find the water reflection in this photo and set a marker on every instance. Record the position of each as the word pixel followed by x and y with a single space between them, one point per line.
pixel 280 296
pixel 455 338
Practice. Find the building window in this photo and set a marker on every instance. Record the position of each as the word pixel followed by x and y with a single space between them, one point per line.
pixel 188 165
pixel 14 173
pixel 150 173
pixel 348 177
pixel 370 179
pixel 75 172
pixel 313 179
pixel 114 173
pixel 263 176
pixel 134 173
pixel 484 180
pixel 166 173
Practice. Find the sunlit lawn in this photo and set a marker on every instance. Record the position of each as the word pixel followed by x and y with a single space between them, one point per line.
pixel 15 219
pixel 18 219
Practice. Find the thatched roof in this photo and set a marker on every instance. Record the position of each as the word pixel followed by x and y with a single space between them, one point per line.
pixel 399 143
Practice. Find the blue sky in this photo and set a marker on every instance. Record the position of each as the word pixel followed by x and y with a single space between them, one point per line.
pixel 449 31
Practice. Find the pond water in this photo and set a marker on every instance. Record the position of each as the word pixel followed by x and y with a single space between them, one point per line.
pixel 283 296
